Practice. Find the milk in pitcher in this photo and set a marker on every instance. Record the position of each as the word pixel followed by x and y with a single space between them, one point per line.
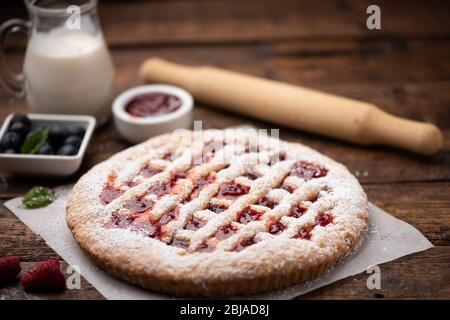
pixel 69 71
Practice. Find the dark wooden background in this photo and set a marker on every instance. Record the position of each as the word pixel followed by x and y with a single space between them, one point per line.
pixel 404 68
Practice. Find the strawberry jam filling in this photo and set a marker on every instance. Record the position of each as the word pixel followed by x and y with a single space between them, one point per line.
pixel 149 171
pixel 199 184
pixel 153 104
pixel 155 229
pixel 276 228
pixel 136 222
pixel 205 247
pixel 307 170
pixel 147 228
pixel 167 217
pixel 152 230
pixel 232 190
pixel 225 232
pixel 109 194
pixel 248 215
pixel 266 203
pixel 132 183
pixel 138 206
pixel 194 224
pixel 140 221
pixel 160 189
pixel 324 219
pixel 244 244
pixel 216 208
pixel 120 221
pixel 304 233
pixel 297 211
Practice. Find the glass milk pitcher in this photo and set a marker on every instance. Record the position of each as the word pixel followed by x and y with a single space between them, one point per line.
pixel 67 67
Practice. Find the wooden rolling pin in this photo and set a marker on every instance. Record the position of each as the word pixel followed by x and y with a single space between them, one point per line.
pixel 296 107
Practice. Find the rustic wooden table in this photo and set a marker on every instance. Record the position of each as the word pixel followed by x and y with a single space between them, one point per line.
pixel 404 68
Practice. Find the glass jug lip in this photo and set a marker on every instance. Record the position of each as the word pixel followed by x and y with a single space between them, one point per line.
pixel 33 6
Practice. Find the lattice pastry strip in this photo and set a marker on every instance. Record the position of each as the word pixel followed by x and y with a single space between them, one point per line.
pixel 185 188
pixel 203 199
pixel 279 214
pixel 257 190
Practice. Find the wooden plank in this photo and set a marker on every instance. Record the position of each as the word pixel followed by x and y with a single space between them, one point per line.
pixel 317 64
pixel 184 22
pixel 414 84
pixel 254 21
pixel 426 206
pixel 422 275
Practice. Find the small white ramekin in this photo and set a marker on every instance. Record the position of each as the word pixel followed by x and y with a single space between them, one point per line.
pixel 47 165
pixel 138 129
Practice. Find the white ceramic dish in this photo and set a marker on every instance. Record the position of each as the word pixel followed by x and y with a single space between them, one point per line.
pixel 136 129
pixel 52 165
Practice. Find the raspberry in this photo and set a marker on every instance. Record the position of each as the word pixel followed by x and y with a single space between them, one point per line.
pixel 46 276
pixel 9 269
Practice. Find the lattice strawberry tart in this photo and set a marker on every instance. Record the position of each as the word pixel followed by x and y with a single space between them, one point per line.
pixel 194 213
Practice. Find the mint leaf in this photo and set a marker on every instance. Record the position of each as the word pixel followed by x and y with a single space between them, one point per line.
pixel 34 142
pixel 38 197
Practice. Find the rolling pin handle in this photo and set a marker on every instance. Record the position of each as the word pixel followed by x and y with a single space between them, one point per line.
pixel 386 129
pixel 158 70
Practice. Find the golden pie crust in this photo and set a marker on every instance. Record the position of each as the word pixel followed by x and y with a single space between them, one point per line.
pixel 187 214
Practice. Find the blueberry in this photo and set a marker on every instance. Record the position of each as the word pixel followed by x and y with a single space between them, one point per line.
pixel 46 149
pixel 73 140
pixel 57 134
pixel 21 118
pixel 20 128
pixel 9 151
pixel 77 131
pixel 67 150
pixel 11 140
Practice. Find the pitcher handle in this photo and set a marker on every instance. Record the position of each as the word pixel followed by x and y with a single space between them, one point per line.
pixel 12 82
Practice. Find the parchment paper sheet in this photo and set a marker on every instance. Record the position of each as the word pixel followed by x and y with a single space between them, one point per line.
pixel 387 239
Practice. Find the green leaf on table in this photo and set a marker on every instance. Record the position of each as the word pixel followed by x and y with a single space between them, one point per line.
pixel 34 142
pixel 38 197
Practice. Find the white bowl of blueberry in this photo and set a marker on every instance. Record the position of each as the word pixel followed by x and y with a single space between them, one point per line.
pixel 44 144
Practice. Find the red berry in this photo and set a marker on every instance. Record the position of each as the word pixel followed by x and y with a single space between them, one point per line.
pixel 9 269
pixel 46 276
